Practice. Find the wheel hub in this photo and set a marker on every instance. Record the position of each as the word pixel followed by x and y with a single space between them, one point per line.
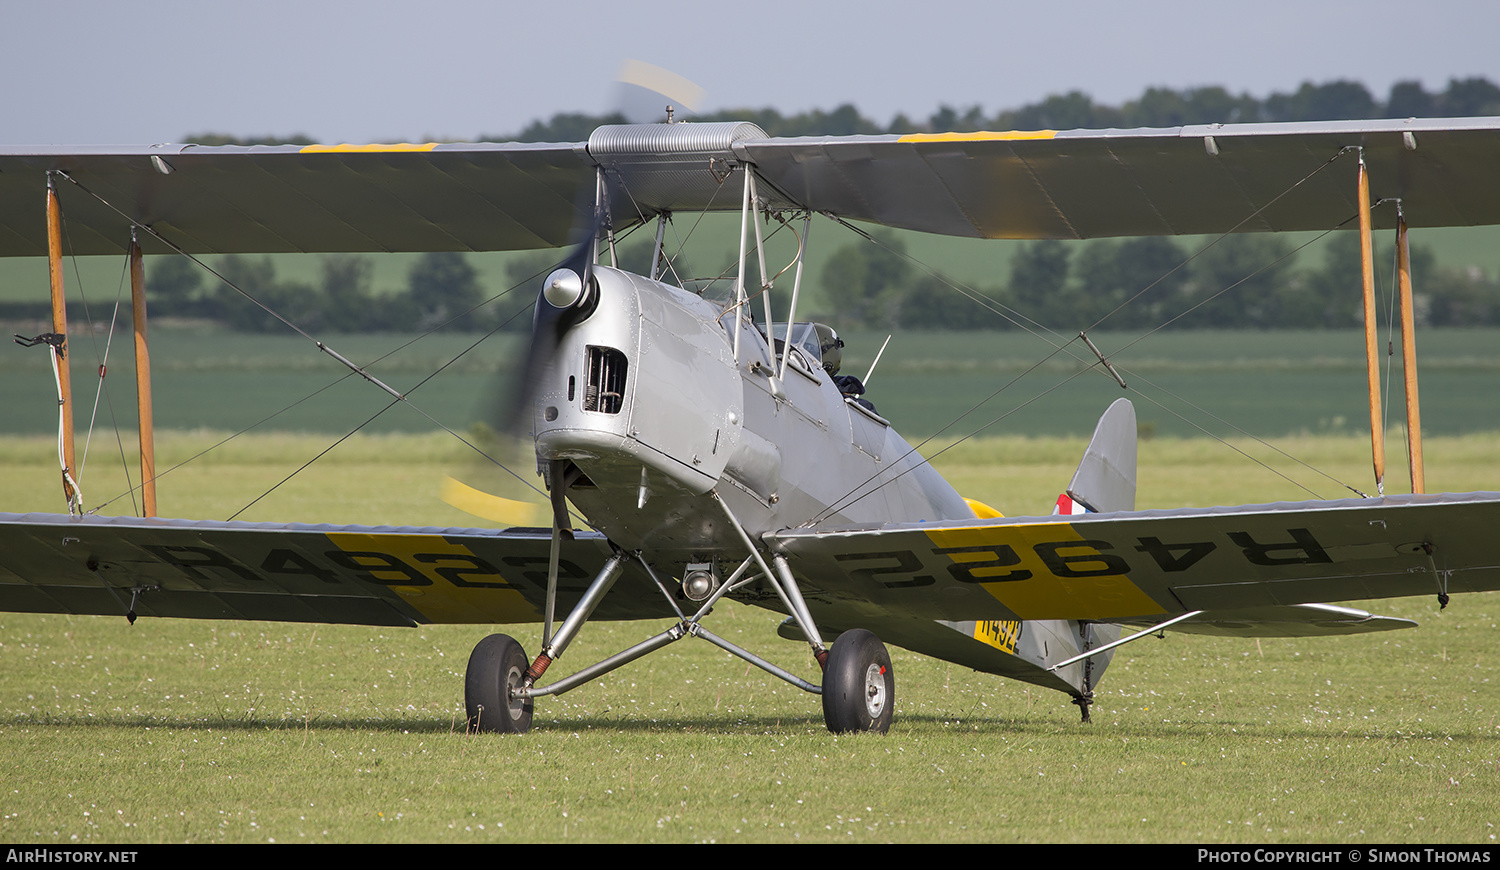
pixel 875 690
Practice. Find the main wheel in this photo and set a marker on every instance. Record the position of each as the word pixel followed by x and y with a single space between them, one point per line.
pixel 495 667
pixel 859 687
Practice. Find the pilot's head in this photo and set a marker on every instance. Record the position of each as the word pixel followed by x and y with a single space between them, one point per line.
pixel 829 345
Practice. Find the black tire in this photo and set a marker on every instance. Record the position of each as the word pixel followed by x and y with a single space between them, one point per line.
pixel 859 687
pixel 495 667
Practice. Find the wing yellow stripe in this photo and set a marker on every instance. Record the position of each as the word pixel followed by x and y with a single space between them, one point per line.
pixel 398 146
pixel 410 565
pixel 982 136
pixel 1089 593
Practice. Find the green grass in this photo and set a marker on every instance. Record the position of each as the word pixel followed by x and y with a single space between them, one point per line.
pixel 249 732
pixel 198 732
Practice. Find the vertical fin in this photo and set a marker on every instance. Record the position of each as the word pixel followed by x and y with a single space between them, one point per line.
pixel 1105 480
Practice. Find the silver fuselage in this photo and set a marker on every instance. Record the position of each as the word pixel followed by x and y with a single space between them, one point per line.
pixel 650 381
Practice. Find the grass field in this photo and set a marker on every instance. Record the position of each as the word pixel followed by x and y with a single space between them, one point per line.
pixel 252 732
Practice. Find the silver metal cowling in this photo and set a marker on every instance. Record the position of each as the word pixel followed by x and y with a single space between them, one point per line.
pixel 670 141
pixel 655 168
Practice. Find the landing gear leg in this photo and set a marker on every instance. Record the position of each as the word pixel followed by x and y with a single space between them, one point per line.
pixel 859 687
pixel 496 667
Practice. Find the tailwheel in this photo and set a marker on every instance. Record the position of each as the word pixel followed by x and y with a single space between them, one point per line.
pixel 859 688
pixel 497 666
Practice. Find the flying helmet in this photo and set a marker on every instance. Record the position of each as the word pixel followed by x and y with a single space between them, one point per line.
pixel 829 345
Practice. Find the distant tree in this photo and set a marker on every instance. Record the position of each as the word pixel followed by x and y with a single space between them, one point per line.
pixel 350 303
pixel 844 120
pixel 1457 297
pixel 226 139
pixel 1059 112
pixel 1470 97
pixel 1163 107
pixel 901 125
pixel 173 286
pixel 1331 101
pixel 1039 274
pixel 1333 296
pixel 867 283
pixel 1139 277
pixel 950 120
pixel 931 303
pixel 1237 283
pixel 443 285
pixel 562 127
pixel 1409 99
pixel 256 297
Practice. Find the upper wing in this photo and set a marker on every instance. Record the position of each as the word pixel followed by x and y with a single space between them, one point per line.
pixel 1080 184
pixel 300 573
pixel 288 198
pixel 1137 566
pixel 487 196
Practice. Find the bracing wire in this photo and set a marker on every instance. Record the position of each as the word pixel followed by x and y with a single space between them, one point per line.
pixel 354 369
pixel 1016 318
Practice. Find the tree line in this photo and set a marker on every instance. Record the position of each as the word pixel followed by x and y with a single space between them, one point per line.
pixel 1245 281
pixel 442 289
pixel 1156 107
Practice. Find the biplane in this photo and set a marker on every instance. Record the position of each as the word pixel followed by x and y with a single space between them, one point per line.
pixel 711 447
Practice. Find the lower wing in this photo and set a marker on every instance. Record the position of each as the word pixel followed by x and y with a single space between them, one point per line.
pixel 300 573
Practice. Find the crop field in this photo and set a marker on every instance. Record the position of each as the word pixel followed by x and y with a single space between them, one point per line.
pixel 1189 383
pixel 257 732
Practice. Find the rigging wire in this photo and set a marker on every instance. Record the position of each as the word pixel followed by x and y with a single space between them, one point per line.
pixel 1288 255
pixel 1002 309
pixel 840 503
pixel 1390 340
pixel 1249 217
pixel 355 371
pixel 1136 376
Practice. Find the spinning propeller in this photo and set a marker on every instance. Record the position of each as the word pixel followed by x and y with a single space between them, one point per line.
pixel 569 295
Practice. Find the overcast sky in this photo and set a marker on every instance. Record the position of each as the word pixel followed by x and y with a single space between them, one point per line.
pixel 95 72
